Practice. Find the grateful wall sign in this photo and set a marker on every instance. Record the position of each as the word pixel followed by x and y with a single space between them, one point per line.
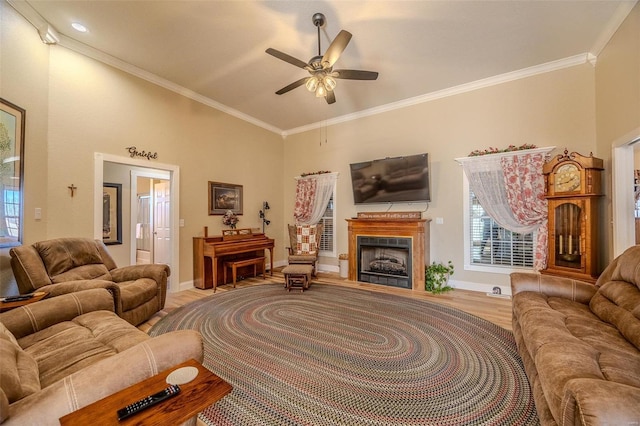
pixel 134 153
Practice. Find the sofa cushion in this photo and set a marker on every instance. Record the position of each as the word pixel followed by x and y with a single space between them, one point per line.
pixel 567 342
pixel 618 303
pixel 135 293
pixel 306 239
pixel 84 272
pixel 69 346
pixel 63 254
pixel 18 370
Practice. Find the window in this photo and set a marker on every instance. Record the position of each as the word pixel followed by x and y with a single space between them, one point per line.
pixel 488 246
pixel 11 201
pixel 327 242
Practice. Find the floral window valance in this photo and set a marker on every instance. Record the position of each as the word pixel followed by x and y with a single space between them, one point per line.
pixel 510 188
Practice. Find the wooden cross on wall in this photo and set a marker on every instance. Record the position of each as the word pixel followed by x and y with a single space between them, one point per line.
pixel 72 188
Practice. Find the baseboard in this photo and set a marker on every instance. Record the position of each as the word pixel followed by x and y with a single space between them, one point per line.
pixel 187 285
pixel 328 268
pixel 279 263
pixel 505 291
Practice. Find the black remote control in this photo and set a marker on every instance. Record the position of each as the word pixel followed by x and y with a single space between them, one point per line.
pixel 17 298
pixel 147 402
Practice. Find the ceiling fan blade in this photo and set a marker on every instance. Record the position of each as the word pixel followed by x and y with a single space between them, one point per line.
pixel 336 48
pixel 331 97
pixel 292 86
pixel 287 58
pixel 355 74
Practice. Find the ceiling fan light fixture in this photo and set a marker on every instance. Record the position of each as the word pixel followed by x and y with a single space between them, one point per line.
pixel 321 91
pixel 329 82
pixel 312 83
pixel 322 79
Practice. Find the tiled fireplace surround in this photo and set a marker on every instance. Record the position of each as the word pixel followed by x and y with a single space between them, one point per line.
pixel 398 241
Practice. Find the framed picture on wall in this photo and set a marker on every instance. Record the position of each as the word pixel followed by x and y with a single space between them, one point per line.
pixel 112 213
pixel 12 129
pixel 224 197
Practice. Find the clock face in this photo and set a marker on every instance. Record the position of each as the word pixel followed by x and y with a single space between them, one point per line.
pixel 567 178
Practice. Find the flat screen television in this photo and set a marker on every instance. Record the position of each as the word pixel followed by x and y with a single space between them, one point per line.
pixel 391 180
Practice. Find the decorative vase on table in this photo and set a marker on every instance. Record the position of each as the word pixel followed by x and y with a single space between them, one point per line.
pixel 230 219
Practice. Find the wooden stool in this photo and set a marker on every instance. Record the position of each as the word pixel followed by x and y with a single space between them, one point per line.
pixel 235 264
pixel 297 276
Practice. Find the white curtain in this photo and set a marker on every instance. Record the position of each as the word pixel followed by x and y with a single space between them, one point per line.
pixel 510 188
pixel 486 180
pixel 310 209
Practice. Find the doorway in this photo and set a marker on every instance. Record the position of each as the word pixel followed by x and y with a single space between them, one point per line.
pixel 623 194
pixel 169 176
pixel 150 216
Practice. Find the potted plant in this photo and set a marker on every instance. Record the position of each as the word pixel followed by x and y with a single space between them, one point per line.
pixel 436 277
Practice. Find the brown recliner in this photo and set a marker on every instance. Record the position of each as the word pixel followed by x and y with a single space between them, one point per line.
pixel 66 265
pixel 297 257
pixel 61 354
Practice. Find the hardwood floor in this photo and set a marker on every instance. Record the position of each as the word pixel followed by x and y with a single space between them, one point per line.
pixel 494 309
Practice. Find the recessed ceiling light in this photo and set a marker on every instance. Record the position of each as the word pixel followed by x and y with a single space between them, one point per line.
pixel 79 27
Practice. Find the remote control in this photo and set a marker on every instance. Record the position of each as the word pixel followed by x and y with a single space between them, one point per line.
pixel 17 297
pixel 147 402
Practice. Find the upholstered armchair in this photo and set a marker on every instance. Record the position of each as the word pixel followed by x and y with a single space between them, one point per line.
pixel 67 265
pixel 304 244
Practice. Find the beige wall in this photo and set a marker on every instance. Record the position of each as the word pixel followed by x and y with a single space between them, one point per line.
pixel 77 106
pixel 618 104
pixel 556 108
pixel 25 59
pixel 618 83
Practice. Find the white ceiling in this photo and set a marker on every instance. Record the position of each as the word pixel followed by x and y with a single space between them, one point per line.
pixel 214 51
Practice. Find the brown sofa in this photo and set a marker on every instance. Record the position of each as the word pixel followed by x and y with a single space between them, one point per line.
pixel 580 343
pixel 65 265
pixel 61 354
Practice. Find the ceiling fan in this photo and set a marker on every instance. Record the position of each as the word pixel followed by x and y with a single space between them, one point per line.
pixel 322 79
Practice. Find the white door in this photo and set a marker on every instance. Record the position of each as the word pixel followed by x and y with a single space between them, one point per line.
pixel 162 222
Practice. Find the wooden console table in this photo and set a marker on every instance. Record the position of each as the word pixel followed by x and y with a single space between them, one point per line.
pixel 37 296
pixel 194 397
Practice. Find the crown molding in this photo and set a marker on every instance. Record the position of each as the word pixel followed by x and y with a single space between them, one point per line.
pixel 41 24
pixel 451 91
pixel 100 56
pixel 616 20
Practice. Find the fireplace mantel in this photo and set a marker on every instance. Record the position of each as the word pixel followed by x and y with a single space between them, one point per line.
pixel 416 229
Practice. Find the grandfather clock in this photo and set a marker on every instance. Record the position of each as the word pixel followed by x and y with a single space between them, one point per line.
pixel 573 187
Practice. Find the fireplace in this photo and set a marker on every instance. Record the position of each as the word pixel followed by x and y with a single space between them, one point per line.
pixel 389 249
pixel 384 260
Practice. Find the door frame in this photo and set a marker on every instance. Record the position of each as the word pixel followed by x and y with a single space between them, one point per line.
pixel 174 171
pixel 622 158
pixel 151 173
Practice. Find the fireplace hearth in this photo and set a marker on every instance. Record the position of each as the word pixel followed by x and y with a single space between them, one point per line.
pixel 390 250
pixel 384 260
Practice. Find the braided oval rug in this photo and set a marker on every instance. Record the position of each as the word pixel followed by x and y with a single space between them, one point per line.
pixel 341 356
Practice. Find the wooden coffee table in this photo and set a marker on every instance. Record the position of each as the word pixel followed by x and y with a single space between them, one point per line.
pixel 194 397
pixel 38 295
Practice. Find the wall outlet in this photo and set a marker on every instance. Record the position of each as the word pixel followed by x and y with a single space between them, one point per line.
pixel 439 220
pixel 181 223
